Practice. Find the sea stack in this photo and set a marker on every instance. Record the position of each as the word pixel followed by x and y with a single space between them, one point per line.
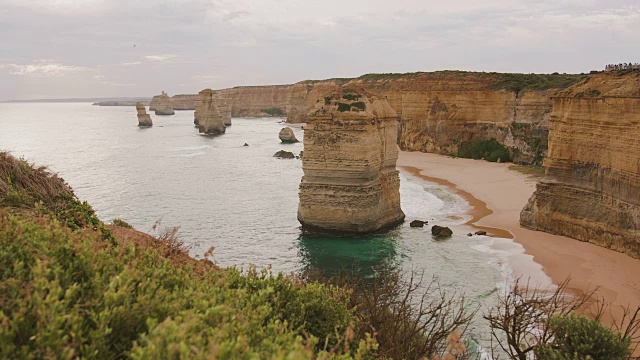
pixel 210 118
pixel 144 119
pixel 350 183
pixel 286 135
pixel 161 104
pixel 223 107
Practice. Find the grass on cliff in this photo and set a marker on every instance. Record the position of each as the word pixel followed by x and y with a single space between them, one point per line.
pixel 490 150
pixel 519 82
pixel 274 112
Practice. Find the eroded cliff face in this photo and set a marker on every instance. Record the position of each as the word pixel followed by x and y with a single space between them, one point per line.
pixel 183 102
pixel 252 101
pixel 591 189
pixel 350 182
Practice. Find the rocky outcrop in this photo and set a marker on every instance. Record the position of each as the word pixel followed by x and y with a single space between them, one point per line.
pixel 183 102
pixel 210 116
pixel 144 119
pixel 591 189
pixel 441 231
pixel 161 104
pixel 350 182
pixel 283 154
pixel 286 135
pixel 222 105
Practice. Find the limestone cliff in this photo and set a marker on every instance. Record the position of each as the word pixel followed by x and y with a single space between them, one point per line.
pixel 222 105
pixel 161 104
pixel 252 101
pixel 183 102
pixel 211 117
pixel 350 182
pixel 144 119
pixel 591 189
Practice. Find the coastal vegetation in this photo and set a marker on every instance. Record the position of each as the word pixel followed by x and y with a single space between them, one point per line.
pixel 73 287
pixel 489 150
pixel 518 82
pixel 274 111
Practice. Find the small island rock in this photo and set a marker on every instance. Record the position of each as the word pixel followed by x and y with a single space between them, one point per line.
pixel 282 154
pixel 417 223
pixel 441 231
pixel 162 104
pixel 144 119
pixel 287 136
pixel 481 232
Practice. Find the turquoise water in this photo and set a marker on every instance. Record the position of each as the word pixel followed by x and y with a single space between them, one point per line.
pixel 238 199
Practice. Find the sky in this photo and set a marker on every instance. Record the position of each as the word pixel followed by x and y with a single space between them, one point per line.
pixel 118 48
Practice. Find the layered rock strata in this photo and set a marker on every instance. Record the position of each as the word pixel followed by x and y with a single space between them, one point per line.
pixel 591 189
pixel 183 102
pixel 350 182
pixel 161 104
pixel 286 135
pixel 144 119
pixel 222 105
pixel 210 117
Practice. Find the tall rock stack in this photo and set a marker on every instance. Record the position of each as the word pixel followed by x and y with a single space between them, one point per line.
pixel 223 106
pixel 350 182
pixel 144 119
pixel 210 117
pixel 591 189
pixel 161 104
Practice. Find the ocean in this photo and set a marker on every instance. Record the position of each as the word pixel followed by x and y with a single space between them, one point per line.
pixel 240 199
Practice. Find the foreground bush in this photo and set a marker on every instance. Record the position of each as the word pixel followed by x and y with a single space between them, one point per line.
pixel 70 294
pixel 489 150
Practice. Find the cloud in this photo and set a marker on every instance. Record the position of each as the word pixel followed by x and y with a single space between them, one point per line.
pixel 47 70
pixel 131 63
pixel 162 57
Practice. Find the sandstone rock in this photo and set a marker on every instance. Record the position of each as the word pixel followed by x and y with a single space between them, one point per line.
pixel 481 232
pixel 417 223
pixel 210 117
pixel 144 119
pixel 162 104
pixel 183 102
pixel 282 154
pixel 441 231
pixel 222 106
pixel 350 182
pixel 591 189
pixel 287 136
pixel 301 154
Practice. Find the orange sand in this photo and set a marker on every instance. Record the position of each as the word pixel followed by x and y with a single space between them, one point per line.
pixel 497 195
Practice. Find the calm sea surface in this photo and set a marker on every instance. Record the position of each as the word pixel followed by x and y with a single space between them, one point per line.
pixel 238 199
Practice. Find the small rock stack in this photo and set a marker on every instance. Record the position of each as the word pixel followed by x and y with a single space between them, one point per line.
pixel 224 108
pixel 210 117
pixel 287 136
pixel 161 104
pixel 144 119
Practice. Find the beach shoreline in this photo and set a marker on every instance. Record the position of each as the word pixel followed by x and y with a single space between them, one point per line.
pixel 497 194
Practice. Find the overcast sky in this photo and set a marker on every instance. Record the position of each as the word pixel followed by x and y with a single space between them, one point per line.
pixel 105 48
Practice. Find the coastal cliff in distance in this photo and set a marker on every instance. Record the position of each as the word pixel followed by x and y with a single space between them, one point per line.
pixel 591 189
pixel 439 112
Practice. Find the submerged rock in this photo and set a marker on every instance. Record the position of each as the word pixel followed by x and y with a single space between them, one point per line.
pixel 481 232
pixel 287 136
pixel 441 231
pixel 245 144
pixel 144 119
pixel 282 154
pixel 162 104
pixel 417 223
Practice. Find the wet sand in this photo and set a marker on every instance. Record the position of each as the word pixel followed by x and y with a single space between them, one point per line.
pixel 497 195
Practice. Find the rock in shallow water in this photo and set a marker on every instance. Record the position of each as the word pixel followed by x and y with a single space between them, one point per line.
pixel 417 223
pixel 282 154
pixel 441 231
pixel 144 119
pixel 287 136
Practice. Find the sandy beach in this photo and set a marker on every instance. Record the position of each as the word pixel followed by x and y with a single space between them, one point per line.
pixel 497 195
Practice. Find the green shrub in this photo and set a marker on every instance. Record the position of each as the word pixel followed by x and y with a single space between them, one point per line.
pixel 274 111
pixel 519 82
pixel 577 337
pixel 360 105
pixel 342 107
pixel 121 223
pixel 69 294
pixel 489 150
